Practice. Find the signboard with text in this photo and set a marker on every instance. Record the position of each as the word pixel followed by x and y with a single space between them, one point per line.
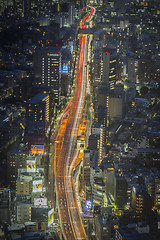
pixel 65 68
pixel 40 202
pixel 37 186
pixel 37 149
pixel 31 165
pixel 50 217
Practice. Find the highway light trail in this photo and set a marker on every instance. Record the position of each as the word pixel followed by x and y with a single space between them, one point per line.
pixel 65 151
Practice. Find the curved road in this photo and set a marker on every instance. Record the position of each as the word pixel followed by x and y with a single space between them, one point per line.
pixel 65 152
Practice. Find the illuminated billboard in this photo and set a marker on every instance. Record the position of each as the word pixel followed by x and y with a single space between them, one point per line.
pixel 40 202
pixel 65 68
pixel 37 186
pixel 50 217
pixel 37 149
pixel 134 189
pixel 88 204
pixel 31 165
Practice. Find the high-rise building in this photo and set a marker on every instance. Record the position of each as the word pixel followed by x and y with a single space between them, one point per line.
pixel 5 205
pixel 97 129
pixel 120 190
pixel 108 178
pixel 98 191
pixel 132 70
pixel 37 114
pixel 15 159
pixel 86 166
pixel 93 143
pixel 47 68
pixel 109 66
pixel 115 100
pixel 102 102
pixel 115 108
pixel 141 202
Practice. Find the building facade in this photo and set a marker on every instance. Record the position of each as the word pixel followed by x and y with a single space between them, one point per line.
pixel 47 69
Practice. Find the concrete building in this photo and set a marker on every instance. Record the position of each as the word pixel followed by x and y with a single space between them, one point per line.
pixel 24 185
pixel 109 66
pixel 97 129
pixel 108 177
pixel 86 166
pixel 141 202
pixel 47 68
pixel 5 205
pixel 98 192
pixel 15 159
pixel 105 224
pixel 120 190
pixel 93 142
pixel 132 70
pixel 23 212
pixel 38 115
pixel 133 231
pixel 115 109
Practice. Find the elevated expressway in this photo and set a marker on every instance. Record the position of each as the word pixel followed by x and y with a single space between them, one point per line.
pixel 66 153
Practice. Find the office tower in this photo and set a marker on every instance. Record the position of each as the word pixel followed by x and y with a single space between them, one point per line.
pixel 98 192
pixel 23 212
pixel 15 159
pixel 102 102
pixel 93 143
pixel 109 66
pixel 120 190
pixel 132 70
pixel 115 109
pixel 111 107
pixel 86 166
pixel 103 90
pixel 47 68
pixel 97 66
pixel 24 185
pixel 45 90
pixel 71 13
pixel 141 202
pixel 108 177
pixel 5 205
pixel 37 117
pixel 97 129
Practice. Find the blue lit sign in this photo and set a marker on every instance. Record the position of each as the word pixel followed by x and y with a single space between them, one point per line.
pixel 134 189
pixel 37 146
pixel 88 204
pixel 65 68
pixel 37 149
